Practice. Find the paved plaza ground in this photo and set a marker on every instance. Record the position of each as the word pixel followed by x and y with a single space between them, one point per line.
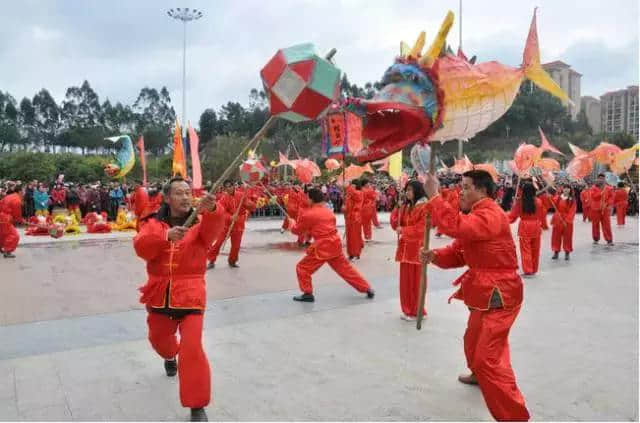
pixel 73 336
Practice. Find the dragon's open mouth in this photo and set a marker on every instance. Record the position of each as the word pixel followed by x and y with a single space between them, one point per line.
pixel 391 126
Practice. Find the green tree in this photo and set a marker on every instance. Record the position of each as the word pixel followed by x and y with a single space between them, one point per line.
pixel 47 120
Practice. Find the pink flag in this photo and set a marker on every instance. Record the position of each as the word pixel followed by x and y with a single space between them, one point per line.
pixel 143 161
pixel 195 158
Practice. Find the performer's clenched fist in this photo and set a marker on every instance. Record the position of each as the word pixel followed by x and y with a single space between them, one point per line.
pixel 207 203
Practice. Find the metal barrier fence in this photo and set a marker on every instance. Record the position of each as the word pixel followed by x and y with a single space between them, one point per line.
pixel 267 211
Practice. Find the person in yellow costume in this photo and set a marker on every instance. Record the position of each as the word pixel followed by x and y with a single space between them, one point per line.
pixel 69 222
pixel 125 220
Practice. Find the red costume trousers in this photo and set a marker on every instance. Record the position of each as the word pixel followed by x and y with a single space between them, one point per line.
pixel 235 238
pixel 585 213
pixel 9 236
pixel 562 238
pixel 409 288
pixel 309 264
pixel 530 254
pixel 486 347
pixel 601 219
pixel 355 242
pixel 194 374
pixel 621 213
pixel 375 220
pixel 367 222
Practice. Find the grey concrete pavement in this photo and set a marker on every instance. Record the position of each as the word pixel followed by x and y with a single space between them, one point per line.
pixel 74 344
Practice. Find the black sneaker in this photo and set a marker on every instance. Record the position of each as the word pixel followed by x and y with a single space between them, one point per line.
pixel 609 243
pixel 198 415
pixel 211 265
pixel 9 255
pixel 566 255
pixel 371 293
pixel 171 367
pixel 555 256
pixel 595 241
pixel 307 298
pixel 234 264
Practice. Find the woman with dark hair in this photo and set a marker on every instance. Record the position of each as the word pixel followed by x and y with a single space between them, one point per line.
pixel 408 221
pixel 529 209
pixel 562 222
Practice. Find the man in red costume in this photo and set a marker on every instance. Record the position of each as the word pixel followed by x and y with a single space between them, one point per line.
pixel 10 214
pixel 320 222
pixel 600 203
pixel 237 206
pixel 621 201
pixel 491 288
pixel 369 201
pixel 353 220
pixel 175 292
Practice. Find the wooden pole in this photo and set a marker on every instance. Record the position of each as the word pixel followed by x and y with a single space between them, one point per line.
pixel 256 138
pixel 427 236
pixel 234 218
pixel 273 196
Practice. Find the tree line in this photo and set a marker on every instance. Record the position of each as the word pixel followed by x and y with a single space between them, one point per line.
pixel 81 121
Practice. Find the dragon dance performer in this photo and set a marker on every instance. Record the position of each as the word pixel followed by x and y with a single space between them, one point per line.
pixel 531 213
pixel 408 221
pixel 237 205
pixel 10 214
pixel 621 201
pixel 562 222
pixel 320 223
pixel 369 201
pixel 353 220
pixel 600 203
pixel 490 288
pixel 175 293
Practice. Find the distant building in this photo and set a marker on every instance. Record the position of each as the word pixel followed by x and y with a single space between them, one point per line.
pixel 619 111
pixel 569 81
pixel 591 107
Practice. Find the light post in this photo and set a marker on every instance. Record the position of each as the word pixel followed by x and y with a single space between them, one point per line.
pixel 185 15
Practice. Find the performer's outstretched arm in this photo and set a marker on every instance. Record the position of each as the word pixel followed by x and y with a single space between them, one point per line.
pixel 475 226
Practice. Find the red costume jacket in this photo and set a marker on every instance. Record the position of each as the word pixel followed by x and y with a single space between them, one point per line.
pixel 600 198
pixel 180 266
pixel 565 212
pixel 353 204
pixel 320 223
pixel 369 202
pixel 58 196
pixel 584 198
pixel 293 203
pixel 230 206
pixel 620 197
pixel 11 207
pixel 483 241
pixel 154 204
pixel 411 220
pixel 530 224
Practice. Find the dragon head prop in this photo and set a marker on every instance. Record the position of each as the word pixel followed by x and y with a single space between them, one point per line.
pixel 438 96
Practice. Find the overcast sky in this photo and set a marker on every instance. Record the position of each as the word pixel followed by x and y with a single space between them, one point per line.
pixel 122 45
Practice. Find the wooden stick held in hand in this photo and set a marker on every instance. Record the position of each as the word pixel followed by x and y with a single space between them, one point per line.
pixel 427 236
pixel 256 138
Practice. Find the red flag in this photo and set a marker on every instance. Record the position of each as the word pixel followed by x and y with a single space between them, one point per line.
pixel 179 165
pixel 195 158
pixel 143 161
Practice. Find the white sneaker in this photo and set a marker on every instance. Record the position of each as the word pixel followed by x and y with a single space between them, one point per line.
pixel 407 318
pixel 281 230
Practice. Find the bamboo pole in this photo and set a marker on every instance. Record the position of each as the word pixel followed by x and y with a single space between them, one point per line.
pixel 427 236
pixel 255 140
